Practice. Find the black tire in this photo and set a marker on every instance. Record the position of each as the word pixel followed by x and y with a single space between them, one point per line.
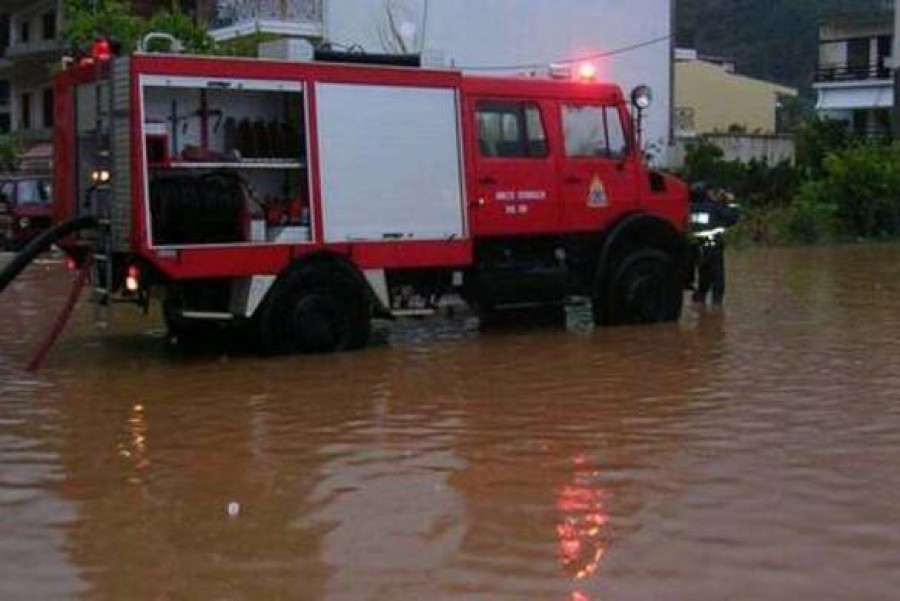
pixel 315 310
pixel 644 288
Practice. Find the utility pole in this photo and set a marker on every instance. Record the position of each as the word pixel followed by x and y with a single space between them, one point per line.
pixel 895 60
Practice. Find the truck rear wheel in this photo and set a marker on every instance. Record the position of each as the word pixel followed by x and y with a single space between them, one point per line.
pixel 644 288
pixel 315 310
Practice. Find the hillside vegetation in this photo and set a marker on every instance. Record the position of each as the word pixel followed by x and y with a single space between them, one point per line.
pixel 775 40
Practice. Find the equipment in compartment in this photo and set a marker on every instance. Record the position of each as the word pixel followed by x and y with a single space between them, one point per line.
pixel 260 140
pixel 211 208
pixel 218 125
pixel 225 164
pixel 221 207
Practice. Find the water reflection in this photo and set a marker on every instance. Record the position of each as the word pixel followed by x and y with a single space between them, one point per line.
pixel 746 453
pixel 582 519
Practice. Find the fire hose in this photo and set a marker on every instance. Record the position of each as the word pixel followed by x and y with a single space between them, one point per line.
pixel 28 254
pixel 40 244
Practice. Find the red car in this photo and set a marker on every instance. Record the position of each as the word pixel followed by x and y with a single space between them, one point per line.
pixel 25 209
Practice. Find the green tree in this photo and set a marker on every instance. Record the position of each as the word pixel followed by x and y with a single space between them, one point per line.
pixel 182 26
pixel 88 19
pixel 775 40
pixel 9 153
pixel 817 139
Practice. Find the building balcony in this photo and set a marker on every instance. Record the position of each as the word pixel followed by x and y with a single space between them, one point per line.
pixel 33 49
pixel 845 72
pixel 850 95
pixel 14 6
pixel 236 18
pixel 32 136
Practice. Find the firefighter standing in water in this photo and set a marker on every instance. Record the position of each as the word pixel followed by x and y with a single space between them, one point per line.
pixel 712 212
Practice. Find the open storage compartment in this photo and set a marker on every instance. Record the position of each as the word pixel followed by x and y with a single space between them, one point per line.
pixel 225 161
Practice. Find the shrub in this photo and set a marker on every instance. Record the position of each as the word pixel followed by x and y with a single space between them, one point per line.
pixel 811 218
pixel 756 183
pixel 862 184
pixel 765 226
pixel 818 138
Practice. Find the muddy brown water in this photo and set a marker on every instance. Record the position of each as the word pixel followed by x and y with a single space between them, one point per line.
pixel 745 454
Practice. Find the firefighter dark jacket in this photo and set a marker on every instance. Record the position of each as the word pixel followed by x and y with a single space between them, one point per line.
pixel 718 214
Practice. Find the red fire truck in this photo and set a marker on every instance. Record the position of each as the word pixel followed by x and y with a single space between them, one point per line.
pixel 301 199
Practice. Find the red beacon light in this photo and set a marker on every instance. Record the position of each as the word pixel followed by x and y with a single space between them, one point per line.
pixel 587 72
pixel 101 50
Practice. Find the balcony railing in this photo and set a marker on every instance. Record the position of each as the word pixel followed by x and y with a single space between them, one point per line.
pixel 301 14
pixel 826 73
pixel 19 49
pixel 34 135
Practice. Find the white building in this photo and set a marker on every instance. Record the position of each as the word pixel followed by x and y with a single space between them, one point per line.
pixel 29 43
pixel 854 82
pixel 629 42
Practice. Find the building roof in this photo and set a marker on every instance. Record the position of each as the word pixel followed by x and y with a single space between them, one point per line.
pixel 712 69
pixel 709 99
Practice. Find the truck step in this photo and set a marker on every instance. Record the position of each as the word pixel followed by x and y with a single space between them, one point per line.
pixel 413 312
pixel 207 315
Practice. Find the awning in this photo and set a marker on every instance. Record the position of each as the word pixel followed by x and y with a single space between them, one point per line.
pixel 875 97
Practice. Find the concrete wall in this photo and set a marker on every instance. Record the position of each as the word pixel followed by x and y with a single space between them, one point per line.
pixel 478 34
pixel 719 100
pixel 744 148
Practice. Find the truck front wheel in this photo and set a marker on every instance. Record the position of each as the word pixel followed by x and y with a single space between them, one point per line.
pixel 315 311
pixel 644 288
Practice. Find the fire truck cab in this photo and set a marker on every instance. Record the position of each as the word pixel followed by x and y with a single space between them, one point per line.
pixel 301 199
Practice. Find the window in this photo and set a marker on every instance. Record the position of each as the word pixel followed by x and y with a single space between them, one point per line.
pixel 534 129
pixel 6 192
pixel 4 92
pixel 593 131
pixel 48 107
pixel 4 123
pixel 885 47
pixel 511 130
pixel 618 144
pixel 859 57
pixel 24 32
pixel 32 192
pixel 25 111
pixel 48 20
pixel 4 34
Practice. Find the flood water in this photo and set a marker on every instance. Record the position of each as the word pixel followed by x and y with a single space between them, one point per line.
pixel 745 454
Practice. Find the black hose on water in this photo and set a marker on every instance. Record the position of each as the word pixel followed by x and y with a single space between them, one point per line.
pixel 42 243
